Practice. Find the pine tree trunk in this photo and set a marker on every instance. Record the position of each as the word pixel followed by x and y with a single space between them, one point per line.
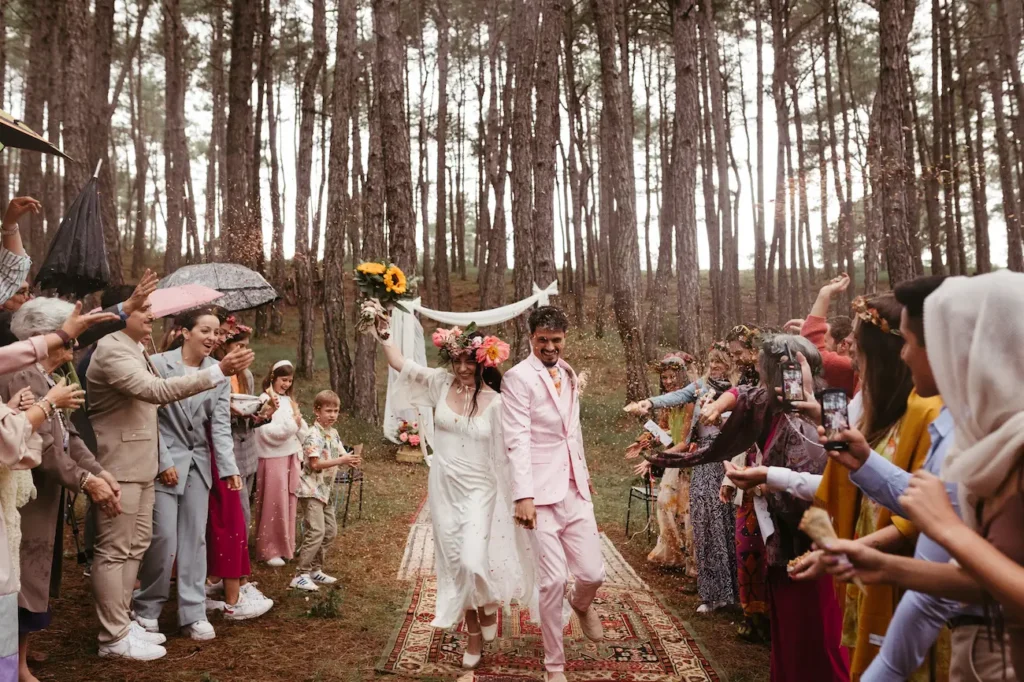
pixel 827 255
pixel 720 124
pixel 1015 251
pixel 645 69
pixel 174 125
pixel 53 191
pixel 277 267
pixel 971 99
pixel 423 181
pixel 948 123
pixel 844 229
pixel 684 171
pixel 847 226
pixel 578 171
pixel 138 125
pixel 30 173
pixel 364 374
pixel 891 158
pixel 443 291
pixel 394 134
pixel 658 293
pixel 213 149
pixel 524 55
pixel 780 20
pixel 546 134
pixel 624 250
pixel 761 275
pixel 929 161
pixel 494 253
pixel 711 224
pixel 243 237
pixel 339 361
pixel 305 260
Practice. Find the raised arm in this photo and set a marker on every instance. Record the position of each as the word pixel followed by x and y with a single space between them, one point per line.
pixel 127 374
pixel 394 356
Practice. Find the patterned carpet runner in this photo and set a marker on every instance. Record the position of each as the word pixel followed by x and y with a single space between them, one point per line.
pixel 644 641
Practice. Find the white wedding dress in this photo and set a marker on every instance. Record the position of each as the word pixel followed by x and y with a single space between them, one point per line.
pixel 481 558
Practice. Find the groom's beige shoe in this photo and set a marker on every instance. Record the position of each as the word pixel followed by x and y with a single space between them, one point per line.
pixel 555 677
pixel 591 624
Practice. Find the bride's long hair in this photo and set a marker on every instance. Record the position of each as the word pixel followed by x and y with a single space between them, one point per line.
pixel 485 376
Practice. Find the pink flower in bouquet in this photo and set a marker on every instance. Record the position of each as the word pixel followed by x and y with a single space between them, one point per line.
pixel 492 352
pixel 456 332
pixel 477 341
pixel 414 441
pixel 441 337
pixel 404 437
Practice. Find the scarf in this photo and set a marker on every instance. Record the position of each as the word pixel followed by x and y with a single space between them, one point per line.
pixel 974 327
pixel 718 386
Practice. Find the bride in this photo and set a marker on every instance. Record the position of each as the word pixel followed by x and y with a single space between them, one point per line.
pixel 481 559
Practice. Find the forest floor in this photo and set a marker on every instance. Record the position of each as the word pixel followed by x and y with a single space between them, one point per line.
pixel 290 644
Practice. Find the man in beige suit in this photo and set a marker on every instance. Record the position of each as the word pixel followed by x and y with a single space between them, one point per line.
pixel 124 394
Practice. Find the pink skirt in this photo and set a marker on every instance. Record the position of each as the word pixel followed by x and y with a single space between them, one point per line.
pixel 227 544
pixel 277 481
pixel 807 630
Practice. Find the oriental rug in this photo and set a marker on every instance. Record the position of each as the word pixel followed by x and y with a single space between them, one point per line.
pixel 644 641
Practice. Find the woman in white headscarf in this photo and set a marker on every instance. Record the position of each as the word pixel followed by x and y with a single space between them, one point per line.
pixel 974 328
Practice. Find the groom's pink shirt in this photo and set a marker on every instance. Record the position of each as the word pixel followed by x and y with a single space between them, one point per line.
pixel 542 433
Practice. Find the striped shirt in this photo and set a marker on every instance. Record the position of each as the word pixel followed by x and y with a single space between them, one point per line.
pixel 13 271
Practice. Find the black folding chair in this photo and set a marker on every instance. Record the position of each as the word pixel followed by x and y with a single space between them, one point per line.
pixel 345 480
pixel 646 494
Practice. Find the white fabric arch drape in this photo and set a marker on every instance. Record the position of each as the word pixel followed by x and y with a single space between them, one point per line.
pixel 407 335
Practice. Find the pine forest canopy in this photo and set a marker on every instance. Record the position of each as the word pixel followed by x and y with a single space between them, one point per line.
pixel 645 140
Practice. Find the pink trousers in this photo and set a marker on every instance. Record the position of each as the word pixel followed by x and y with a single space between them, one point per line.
pixel 565 541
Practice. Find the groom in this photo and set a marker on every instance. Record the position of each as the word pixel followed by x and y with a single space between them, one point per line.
pixel 550 483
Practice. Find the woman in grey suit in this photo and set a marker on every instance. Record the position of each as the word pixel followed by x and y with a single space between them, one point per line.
pixel 187 450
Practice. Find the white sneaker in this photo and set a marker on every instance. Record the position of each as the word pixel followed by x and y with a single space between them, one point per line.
pixel 147 624
pixel 215 589
pixel 132 648
pixel 200 631
pixel 303 582
pixel 321 578
pixel 145 635
pixel 246 609
pixel 276 562
pixel 250 592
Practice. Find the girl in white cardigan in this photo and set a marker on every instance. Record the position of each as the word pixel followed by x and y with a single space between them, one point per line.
pixel 279 448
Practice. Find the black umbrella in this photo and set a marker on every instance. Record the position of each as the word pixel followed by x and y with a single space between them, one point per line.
pixel 242 288
pixel 77 261
pixel 14 133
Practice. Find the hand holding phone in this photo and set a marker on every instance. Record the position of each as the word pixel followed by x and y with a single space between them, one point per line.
pixel 835 417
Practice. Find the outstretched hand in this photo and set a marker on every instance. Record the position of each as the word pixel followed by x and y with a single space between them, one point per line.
pixel 837 286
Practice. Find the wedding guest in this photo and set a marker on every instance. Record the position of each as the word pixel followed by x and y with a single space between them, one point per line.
pixel 124 393
pixel 713 521
pixel 978 373
pixel 66 464
pixel 833 338
pixel 806 621
pixel 741 342
pixel 322 453
pixel 675 532
pixel 190 458
pixel 20 450
pixel 894 421
pixel 279 448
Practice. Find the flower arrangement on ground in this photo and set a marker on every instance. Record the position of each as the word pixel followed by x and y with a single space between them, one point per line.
pixel 384 286
pixel 409 433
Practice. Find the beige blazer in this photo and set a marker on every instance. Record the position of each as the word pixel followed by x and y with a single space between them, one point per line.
pixel 124 394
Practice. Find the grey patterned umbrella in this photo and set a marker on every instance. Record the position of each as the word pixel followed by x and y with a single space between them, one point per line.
pixel 242 288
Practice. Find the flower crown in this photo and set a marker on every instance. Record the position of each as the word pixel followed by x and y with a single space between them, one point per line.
pixel 719 346
pixel 871 316
pixel 748 336
pixel 234 328
pixel 489 351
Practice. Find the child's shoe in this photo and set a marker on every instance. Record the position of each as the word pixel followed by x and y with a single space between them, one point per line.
pixel 321 578
pixel 303 582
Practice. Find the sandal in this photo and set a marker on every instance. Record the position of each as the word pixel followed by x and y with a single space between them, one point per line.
pixel 471 661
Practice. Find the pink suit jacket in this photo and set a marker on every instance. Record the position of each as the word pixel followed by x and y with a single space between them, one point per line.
pixel 542 441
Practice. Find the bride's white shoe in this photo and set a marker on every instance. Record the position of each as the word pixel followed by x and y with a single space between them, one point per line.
pixel 471 661
pixel 490 632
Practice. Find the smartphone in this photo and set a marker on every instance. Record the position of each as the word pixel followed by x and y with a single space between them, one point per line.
pixel 835 417
pixel 792 383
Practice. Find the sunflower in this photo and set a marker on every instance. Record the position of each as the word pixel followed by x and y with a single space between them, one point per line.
pixel 371 268
pixel 394 280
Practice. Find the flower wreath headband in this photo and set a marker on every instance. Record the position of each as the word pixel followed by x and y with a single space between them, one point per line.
pixel 489 351
pixel 871 316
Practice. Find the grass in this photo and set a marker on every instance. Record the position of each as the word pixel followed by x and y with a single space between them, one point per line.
pixel 342 640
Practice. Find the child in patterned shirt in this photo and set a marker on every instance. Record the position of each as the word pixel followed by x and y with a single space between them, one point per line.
pixel 322 450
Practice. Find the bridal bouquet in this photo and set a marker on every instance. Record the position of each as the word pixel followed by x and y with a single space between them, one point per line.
pixel 383 285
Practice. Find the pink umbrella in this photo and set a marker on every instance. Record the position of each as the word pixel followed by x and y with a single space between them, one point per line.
pixel 173 300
